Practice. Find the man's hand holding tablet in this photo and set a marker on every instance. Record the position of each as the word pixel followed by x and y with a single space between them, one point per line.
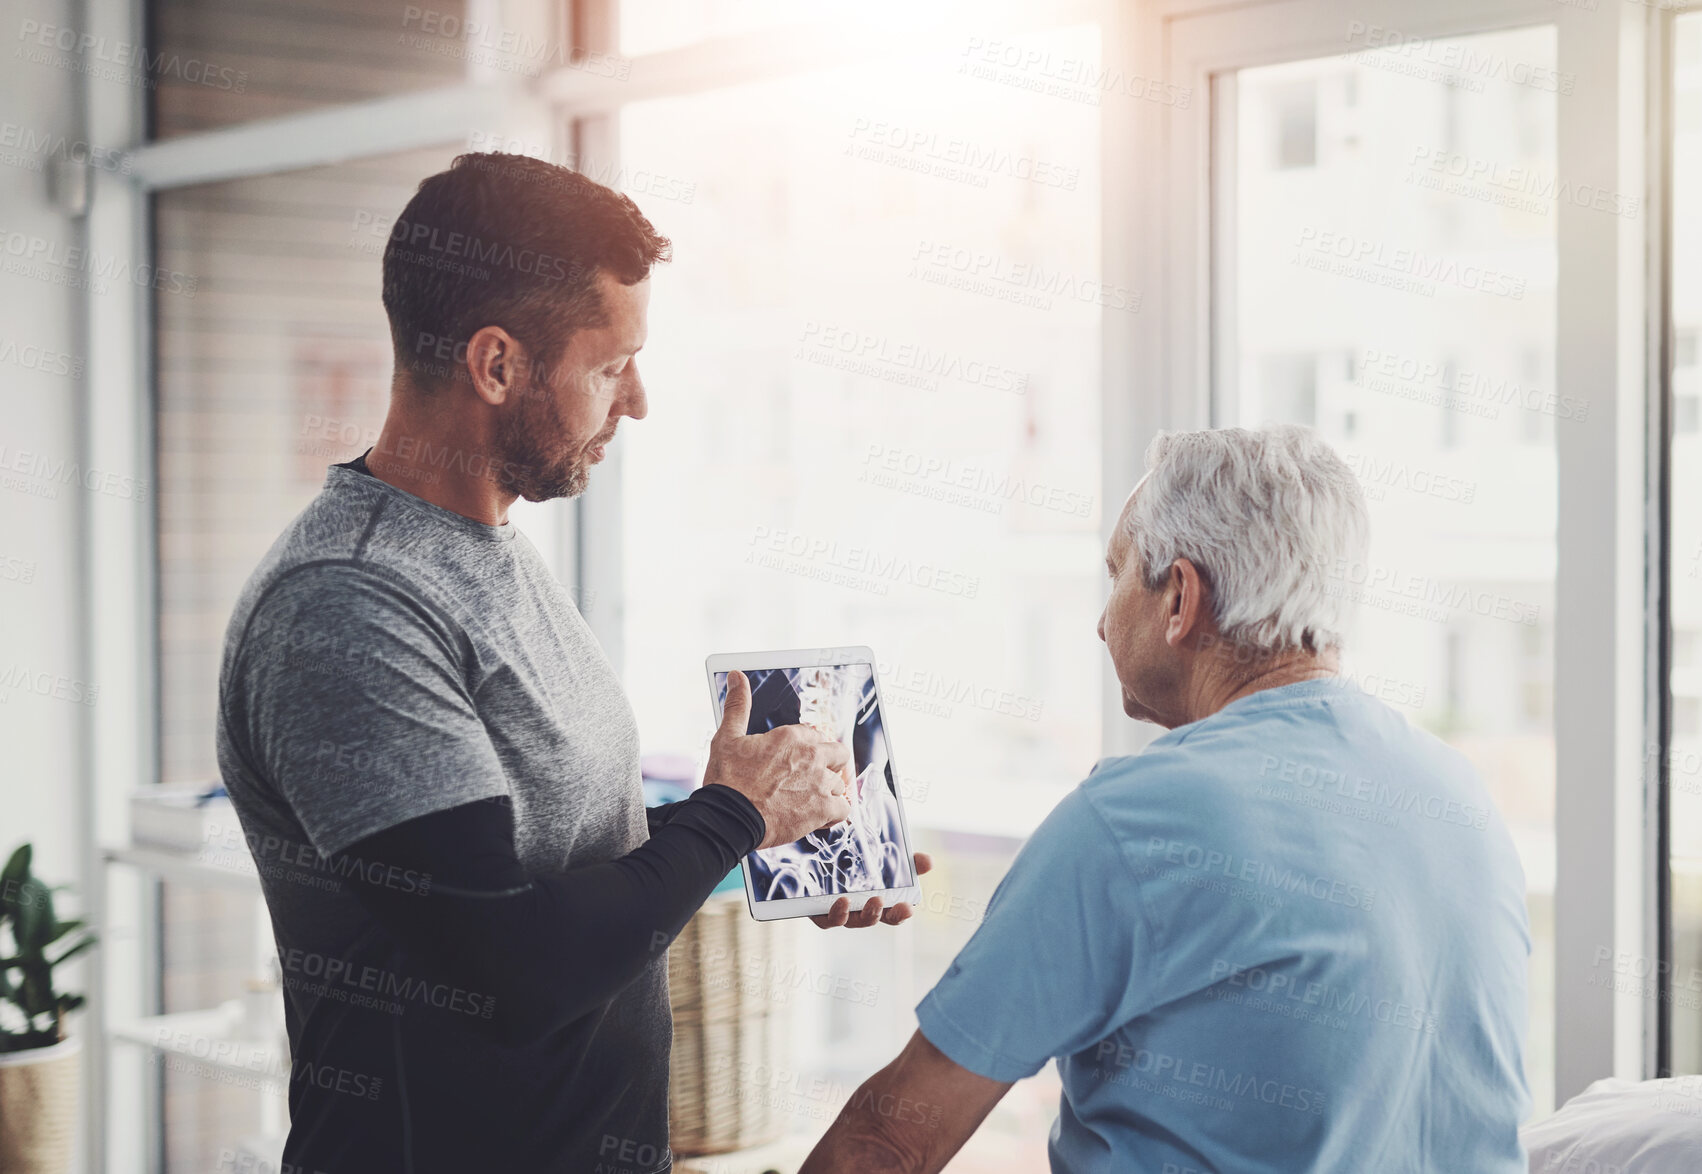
pixel 871 911
pixel 791 773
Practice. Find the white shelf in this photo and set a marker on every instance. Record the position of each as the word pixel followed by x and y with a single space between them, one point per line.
pixel 213 867
pixel 211 1038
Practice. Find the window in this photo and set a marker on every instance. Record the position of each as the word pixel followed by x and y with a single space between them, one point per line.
pixel 649 26
pixel 1449 354
pixel 875 418
pixel 212 64
pixel 875 406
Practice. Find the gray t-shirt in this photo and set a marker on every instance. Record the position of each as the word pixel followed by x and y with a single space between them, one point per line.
pixel 387 660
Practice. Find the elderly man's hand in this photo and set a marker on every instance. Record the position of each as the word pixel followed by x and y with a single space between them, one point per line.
pixel 870 913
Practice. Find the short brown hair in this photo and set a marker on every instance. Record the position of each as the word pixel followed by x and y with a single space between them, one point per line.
pixel 510 241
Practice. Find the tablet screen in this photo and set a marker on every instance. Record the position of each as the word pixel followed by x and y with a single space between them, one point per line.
pixel 866 851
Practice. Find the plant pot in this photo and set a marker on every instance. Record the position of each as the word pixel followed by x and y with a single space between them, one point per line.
pixel 38 1108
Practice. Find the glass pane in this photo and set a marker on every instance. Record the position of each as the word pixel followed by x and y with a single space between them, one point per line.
pixel 1393 286
pixel 1684 757
pixel 211 64
pixel 874 380
pixel 273 362
pixel 650 26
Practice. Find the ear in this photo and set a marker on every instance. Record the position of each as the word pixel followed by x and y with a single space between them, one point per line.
pixel 496 364
pixel 1186 592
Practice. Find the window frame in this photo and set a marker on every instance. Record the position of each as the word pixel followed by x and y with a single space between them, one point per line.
pixel 1610 331
pixel 1662 347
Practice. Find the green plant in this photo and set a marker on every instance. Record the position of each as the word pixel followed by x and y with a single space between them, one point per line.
pixel 26 910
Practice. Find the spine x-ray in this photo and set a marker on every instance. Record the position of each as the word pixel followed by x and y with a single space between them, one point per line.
pixel 866 851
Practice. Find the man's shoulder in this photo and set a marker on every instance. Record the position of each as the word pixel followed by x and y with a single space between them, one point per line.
pixel 1123 801
pixel 1188 786
pixel 336 525
pixel 315 575
pixel 1168 771
pixel 1158 792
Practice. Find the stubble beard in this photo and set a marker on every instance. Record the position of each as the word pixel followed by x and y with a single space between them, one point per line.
pixel 528 468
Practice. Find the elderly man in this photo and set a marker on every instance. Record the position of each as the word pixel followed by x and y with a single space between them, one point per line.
pixel 1290 935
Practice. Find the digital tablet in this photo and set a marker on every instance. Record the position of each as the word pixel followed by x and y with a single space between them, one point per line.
pixel 867 855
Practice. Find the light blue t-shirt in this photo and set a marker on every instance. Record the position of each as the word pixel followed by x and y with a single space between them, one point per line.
pixel 1288 937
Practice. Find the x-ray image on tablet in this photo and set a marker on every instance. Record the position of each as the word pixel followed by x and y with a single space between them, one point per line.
pixel 868 853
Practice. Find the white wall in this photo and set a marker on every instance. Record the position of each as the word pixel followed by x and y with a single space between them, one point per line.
pixel 39 388
pixel 42 716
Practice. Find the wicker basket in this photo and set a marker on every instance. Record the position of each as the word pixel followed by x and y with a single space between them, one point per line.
pixel 731 1013
pixel 38 1108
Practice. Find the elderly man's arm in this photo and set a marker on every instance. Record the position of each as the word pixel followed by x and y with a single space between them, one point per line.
pixel 911 1117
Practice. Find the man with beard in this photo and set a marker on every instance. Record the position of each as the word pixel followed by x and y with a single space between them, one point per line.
pixel 435 766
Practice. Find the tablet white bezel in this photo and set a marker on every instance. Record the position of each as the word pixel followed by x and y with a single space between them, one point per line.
pixel 793 658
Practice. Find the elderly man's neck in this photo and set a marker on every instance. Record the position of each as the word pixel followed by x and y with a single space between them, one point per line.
pixel 1221 675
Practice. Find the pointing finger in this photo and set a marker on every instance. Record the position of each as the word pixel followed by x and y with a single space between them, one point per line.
pixel 736 710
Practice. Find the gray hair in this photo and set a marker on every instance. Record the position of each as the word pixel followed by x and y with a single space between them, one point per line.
pixel 1269 516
